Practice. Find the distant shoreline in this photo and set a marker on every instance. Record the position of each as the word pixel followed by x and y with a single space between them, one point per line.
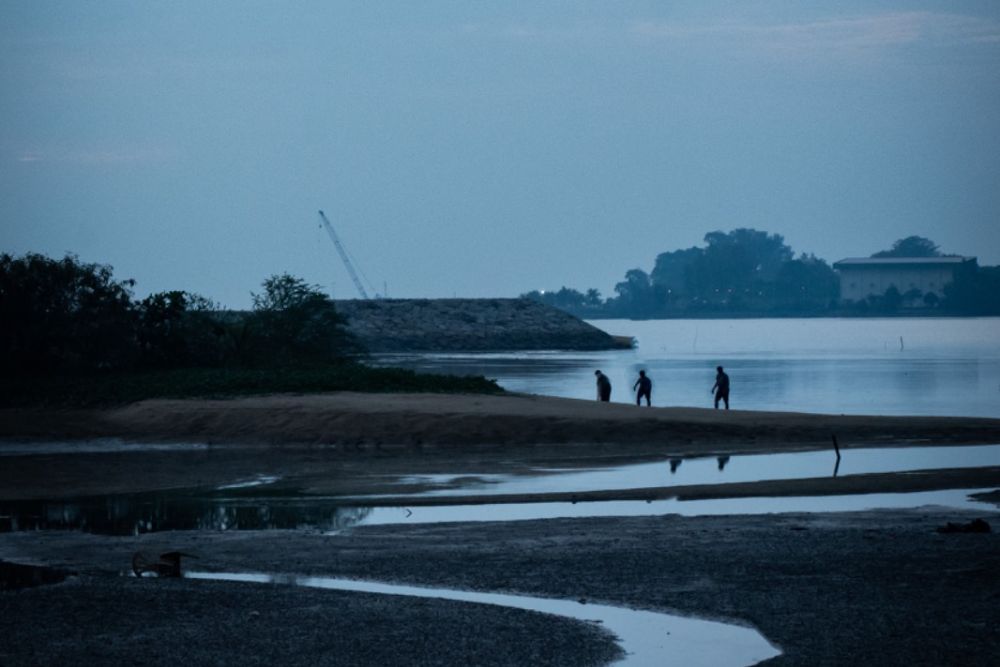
pixel 791 316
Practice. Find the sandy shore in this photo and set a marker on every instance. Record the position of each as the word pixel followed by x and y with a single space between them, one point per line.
pixel 467 420
pixel 344 443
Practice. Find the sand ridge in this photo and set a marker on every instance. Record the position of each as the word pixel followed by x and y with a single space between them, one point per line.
pixel 348 418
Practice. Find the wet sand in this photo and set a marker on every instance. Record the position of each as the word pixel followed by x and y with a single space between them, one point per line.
pixel 830 589
pixel 878 587
pixel 389 420
pixel 341 443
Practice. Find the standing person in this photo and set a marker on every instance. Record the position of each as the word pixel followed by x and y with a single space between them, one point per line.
pixel 603 387
pixel 721 387
pixel 645 386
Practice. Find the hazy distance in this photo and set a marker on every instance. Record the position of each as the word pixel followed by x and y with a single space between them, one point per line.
pixel 486 150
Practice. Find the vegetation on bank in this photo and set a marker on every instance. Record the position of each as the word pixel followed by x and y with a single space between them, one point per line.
pixel 119 388
pixel 747 272
pixel 74 335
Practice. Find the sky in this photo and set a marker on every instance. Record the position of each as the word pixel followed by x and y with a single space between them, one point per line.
pixel 488 149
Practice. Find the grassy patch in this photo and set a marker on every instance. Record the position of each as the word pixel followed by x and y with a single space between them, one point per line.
pixel 121 388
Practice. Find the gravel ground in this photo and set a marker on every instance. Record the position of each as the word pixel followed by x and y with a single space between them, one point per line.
pixel 879 587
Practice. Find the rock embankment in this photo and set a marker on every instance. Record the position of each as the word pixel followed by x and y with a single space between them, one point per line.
pixel 404 325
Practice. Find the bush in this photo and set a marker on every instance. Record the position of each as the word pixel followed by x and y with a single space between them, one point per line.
pixel 109 389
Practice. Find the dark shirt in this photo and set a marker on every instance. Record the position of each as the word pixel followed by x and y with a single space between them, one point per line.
pixel 603 385
pixel 644 384
pixel 722 383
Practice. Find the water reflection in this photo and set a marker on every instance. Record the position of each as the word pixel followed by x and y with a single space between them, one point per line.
pixel 725 469
pixel 257 509
pixel 135 514
pixel 647 637
pixel 953 498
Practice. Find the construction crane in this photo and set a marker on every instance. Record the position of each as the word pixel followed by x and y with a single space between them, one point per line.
pixel 343 255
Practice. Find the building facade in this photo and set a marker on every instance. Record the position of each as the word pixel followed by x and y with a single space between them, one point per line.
pixel 872 276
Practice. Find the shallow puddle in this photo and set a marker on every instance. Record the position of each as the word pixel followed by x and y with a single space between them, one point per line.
pixel 956 498
pixel 136 514
pixel 259 480
pixel 96 446
pixel 648 638
pixel 714 470
pixel 254 504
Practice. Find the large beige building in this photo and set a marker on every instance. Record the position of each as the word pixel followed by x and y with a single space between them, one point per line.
pixel 865 276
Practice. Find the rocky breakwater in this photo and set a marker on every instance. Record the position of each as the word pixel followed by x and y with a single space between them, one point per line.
pixel 402 325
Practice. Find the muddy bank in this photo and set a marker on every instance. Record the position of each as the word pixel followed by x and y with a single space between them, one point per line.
pixel 107 620
pixel 406 420
pixel 830 589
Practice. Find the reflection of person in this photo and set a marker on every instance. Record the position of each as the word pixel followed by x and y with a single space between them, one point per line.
pixel 721 387
pixel 645 386
pixel 603 387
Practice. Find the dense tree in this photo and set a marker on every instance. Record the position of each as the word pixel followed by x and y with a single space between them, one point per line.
pixel 911 246
pixel 806 283
pixel 974 292
pixel 637 296
pixel 736 268
pixel 63 315
pixel 177 329
pixel 672 271
pixel 295 322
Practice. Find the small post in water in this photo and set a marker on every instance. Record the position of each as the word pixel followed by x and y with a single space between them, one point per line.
pixel 836 448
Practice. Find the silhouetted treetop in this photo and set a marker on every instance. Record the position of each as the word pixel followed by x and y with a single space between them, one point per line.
pixel 64 316
pixel 911 246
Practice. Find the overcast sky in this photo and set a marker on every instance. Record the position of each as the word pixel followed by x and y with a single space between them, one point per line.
pixel 486 149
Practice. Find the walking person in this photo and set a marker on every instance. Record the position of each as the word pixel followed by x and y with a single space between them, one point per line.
pixel 645 386
pixel 721 387
pixel 603 387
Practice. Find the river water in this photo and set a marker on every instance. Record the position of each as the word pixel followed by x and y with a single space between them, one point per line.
pixel 889 366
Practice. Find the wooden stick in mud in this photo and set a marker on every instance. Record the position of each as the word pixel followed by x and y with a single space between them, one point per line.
pixel 836 448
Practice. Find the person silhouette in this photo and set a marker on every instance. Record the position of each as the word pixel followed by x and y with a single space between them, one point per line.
pixel 645 386
pixel 721 387
pixel 603 387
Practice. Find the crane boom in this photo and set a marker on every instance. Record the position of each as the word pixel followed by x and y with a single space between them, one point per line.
pixel 343 255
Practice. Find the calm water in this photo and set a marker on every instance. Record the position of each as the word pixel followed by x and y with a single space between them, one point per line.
pixel 250 505
pixel 647 637
pixel 892 366
pixel 715 470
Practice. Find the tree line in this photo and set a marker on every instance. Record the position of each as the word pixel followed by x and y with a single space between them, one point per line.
pixel 751 272
pixel 67 316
